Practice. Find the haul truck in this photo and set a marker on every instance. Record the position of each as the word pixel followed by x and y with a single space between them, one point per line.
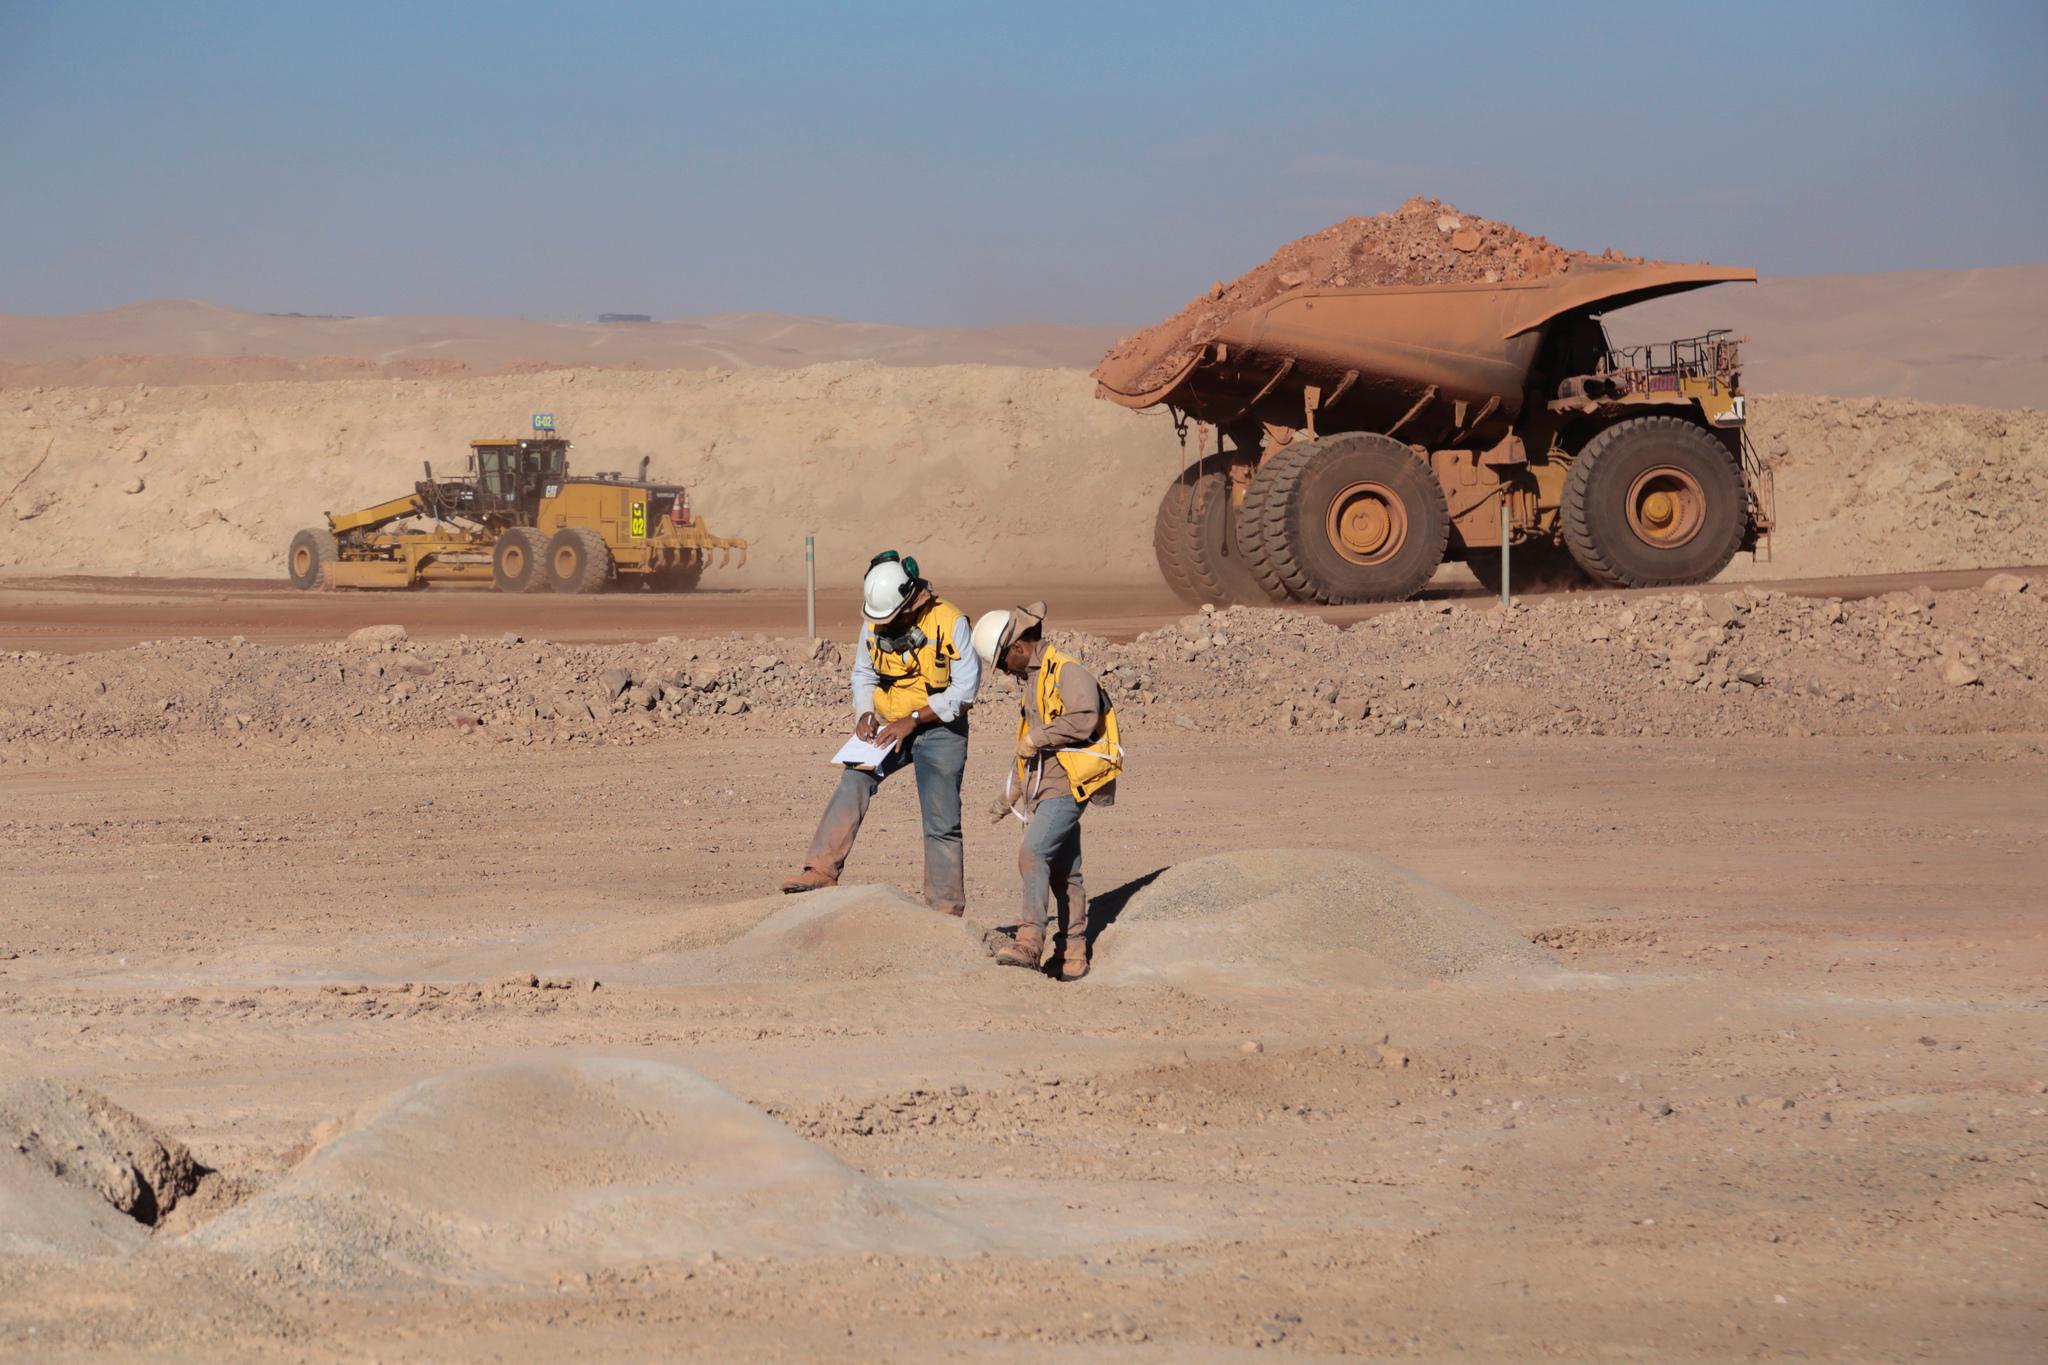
pixel 519 521
pixel 1363 436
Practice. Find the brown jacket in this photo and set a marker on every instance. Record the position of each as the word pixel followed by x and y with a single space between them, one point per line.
pixel 1078 723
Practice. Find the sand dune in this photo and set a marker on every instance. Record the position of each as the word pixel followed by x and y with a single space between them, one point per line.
pixel 1948 336
pixel 178 341
pixel 1943 336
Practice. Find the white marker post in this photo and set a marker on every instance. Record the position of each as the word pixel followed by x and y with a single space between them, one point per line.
pixel 1504 545
pixel 811 585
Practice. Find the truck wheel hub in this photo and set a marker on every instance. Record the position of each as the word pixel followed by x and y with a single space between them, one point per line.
pixel 1367 523
pixel 1666 507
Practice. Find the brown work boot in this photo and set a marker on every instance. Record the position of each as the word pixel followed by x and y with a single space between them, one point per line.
pixel 1024 950
pixel 810 879
pixel 1069 961
pixel 956 911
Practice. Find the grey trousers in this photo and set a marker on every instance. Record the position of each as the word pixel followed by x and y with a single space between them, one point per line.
pixel 1050 861
pixel 938 755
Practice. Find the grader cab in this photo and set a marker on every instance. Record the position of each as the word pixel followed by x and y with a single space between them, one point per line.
pixel 519 520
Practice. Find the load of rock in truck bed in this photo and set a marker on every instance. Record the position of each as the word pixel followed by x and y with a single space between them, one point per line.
pixel 1425 241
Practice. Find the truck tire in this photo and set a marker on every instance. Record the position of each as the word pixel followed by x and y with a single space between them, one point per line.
pixel 1538 566
pixel 1352 518
pixel 578 561
pixel 1169 541
pixel 1654 501
pixel 305 564
pixel 518 561
pixel 1216 565
pixel 1256 516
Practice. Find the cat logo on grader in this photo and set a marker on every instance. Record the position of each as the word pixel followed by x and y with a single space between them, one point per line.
pixel 519 520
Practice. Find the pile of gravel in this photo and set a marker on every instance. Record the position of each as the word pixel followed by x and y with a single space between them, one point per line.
pixel 1274 916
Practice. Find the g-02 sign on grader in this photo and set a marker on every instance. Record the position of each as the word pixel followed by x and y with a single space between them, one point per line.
pixel 520 520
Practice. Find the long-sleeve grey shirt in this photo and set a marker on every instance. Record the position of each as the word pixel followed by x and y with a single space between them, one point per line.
pixel 946 705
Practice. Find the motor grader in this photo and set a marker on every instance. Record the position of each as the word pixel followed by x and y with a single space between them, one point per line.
pixel 1365 435
pixel 519 520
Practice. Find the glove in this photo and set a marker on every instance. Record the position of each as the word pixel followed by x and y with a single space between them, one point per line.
pixel 1000 810
pixel 1026 750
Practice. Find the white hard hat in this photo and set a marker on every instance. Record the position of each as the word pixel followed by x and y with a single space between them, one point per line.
pixel 883 591
pixel 988 636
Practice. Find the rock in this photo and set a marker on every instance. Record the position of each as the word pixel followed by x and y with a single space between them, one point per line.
pixel 1392 1058
pixel 1447 224
pixel 1720 611
pixel 134 485
pixel 733 706
pixel 1956 673
pixel 704 679
pixel 615 682
pixel 1251 1045
pixel 1354 708
pixel 765 662
pixel 377 635
pixel 2010 583
pixel 640 698
pixel 1753 676
pixel 1465 239
pixel 512 637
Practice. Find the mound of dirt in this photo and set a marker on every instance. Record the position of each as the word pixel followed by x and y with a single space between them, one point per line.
pixel 42 1214
pixel 1282 916
pixel 846 933
pixel 87 1141
pixel 1425 241
pixel 518 1174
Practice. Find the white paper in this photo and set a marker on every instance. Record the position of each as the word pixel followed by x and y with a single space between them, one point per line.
pixel 862 754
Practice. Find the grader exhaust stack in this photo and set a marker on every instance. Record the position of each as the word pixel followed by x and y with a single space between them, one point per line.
pixel 1374 432
pixel 521 522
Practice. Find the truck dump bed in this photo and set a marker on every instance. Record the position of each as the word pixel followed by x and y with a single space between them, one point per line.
pixel 1442 364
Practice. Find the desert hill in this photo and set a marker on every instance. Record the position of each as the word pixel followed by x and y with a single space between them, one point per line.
pixel 1946 336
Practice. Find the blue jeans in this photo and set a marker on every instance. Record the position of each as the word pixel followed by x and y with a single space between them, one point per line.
pixel 938 755
pixel 1050 861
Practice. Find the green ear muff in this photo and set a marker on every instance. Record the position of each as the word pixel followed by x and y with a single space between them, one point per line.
pixel 910 567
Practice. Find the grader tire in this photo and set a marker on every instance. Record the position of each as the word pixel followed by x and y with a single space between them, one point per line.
pixel 305 564
pixel 682 578
pixel 1169 541
pixel 1353 518
pixel 518 561
pixel 1654 501
pixel 578 561
pixel 1216 564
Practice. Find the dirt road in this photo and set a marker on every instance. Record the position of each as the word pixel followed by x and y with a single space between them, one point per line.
pixel 76 614
pixel 1784 1098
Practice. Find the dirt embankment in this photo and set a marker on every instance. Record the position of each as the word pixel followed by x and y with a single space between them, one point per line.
pixel 1740 663
pixel 988 474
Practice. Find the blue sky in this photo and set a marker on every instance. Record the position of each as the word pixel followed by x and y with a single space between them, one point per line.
pixel 973 163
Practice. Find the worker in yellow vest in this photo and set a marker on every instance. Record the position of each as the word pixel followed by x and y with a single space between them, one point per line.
pixel 915 676
pixel 1068 758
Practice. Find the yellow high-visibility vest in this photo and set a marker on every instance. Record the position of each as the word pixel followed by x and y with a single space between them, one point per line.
pixel 909 678
pixel 1090 766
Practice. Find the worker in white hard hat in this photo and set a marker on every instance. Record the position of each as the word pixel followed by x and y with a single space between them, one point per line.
pixel 915 676
pixel 1069 756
